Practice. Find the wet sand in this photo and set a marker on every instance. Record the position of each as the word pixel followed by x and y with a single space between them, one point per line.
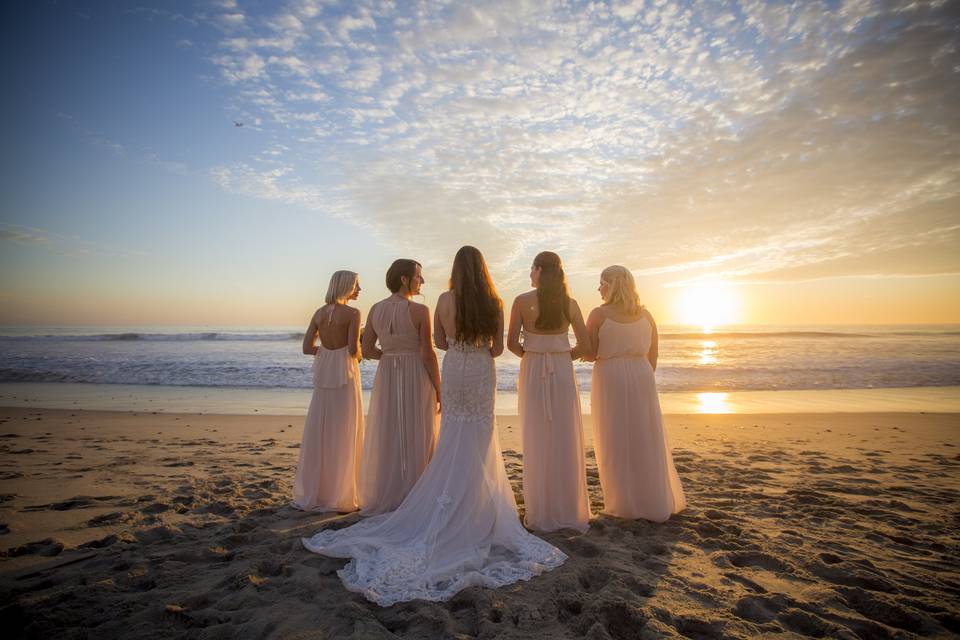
pixel 122 525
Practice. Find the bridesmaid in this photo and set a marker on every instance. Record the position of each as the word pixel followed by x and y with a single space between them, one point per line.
pixel 633 456
pixel 333 431
pixel 402 421
pixel 554 472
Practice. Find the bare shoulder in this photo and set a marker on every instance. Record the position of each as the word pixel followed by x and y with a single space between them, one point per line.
pixel 529 296
pixel 597 314
pixel 646 314
pixel 316 314
pixel 445 298
pixel 418 308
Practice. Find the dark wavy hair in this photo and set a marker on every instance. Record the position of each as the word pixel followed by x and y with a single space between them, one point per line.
pixel 552 296
pixel 401 267
pixel 477 303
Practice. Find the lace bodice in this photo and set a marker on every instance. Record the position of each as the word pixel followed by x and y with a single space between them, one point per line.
pixel 469 381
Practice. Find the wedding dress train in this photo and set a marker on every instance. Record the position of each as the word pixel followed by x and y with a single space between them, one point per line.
pixel 458 526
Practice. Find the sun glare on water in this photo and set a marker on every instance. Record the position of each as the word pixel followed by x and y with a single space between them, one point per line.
pixel 708 305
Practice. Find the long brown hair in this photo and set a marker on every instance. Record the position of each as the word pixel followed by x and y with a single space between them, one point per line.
pixel 477 303
pixel 552 296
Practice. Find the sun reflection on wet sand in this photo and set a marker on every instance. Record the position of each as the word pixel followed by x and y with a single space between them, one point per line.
pixel 713 403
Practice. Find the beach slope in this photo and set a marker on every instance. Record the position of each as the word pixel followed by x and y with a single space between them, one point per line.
pixel 123 525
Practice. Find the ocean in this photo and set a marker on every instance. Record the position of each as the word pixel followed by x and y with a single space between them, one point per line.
pixel 728 360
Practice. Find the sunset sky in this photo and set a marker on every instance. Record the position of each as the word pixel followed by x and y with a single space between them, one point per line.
pixel 786 163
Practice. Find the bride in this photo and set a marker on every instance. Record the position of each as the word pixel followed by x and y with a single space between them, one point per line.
pixel 458 526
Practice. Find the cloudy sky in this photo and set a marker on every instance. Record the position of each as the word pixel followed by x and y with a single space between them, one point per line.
pixel 802 155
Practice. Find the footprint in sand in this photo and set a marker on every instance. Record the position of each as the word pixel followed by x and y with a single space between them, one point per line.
pixel 851 575
pixel 583 548
pixel 107 541
pixel 807 624
pixel 884 610
pixel 761 608
pixel 745 581
pixel 759 560
pixel 156 507
pixel 105 519
pixel 593 579
pixel 45 547
pixel 694 627
pixel 77 502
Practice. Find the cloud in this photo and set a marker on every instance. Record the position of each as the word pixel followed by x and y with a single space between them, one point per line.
pixel 62 245
pixel 23 235
pixel 349 24
pixel 744 140
pixel 231 20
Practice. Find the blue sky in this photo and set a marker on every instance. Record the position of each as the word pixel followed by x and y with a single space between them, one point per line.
pixel 803 152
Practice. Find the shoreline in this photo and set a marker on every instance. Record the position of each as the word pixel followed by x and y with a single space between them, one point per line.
pixel 294 402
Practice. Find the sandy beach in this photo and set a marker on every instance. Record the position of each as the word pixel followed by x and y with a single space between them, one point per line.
pixel 122 525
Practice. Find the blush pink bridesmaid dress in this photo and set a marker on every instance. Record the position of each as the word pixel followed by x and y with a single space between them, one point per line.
pixel 401 429
pixel 554 470
pixel 326 477
pixel 637 473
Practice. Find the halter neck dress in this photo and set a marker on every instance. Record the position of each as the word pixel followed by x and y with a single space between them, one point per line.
pixel 326 477
pixel 401 429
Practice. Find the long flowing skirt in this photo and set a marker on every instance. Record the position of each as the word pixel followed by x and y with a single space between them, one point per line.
pixel 554 471
pixel 401 432
pixel 458 526
pixel 636 468
pixel 326 477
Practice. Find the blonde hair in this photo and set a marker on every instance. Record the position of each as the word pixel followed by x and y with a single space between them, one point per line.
pixel 342 286
pixel 623 289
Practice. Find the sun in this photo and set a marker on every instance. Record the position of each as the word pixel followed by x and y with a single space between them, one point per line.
pixel 708 305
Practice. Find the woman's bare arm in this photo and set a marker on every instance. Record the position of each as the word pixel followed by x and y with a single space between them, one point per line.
pixel 594 322
pixel 310 336
pixel 439 332
pixel 497 348
pixel 427 354
pixel 368 344
pixel 654 351
pixel 513 335
pixel 583 346
pixel 353 334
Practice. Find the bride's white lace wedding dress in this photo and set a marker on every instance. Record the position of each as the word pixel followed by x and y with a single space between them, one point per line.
pixel 458 526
